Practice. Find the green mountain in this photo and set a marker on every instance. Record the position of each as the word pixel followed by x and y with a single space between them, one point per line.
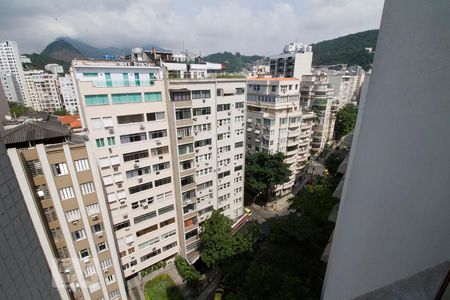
pixel 349 49
pixel 233 62
pixel 92 52
pixel 38 62
pixel 61 50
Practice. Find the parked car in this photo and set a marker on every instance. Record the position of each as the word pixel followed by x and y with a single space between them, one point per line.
pixel 248 211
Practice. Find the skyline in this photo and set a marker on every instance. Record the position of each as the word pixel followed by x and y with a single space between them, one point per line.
pixel 201 25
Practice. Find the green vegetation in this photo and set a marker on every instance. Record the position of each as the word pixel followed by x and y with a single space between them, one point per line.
pixel 349 49
pixel 187 272
pixel 60 112
pixel 38 61
pixel 61 50
pixel 345 120
pixel 157 266
pixel 233 62
pixel 218 242
pixel 18 109
pixel 288 263
pixel 264 170
pixel 162 287
pixel 332 162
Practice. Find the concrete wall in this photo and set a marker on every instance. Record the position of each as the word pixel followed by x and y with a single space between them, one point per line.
pixel 24 272
pixel 393 219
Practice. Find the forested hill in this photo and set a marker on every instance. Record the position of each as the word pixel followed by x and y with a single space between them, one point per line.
pixel 233 62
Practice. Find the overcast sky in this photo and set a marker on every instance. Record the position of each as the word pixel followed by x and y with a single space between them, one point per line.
pixel 248 26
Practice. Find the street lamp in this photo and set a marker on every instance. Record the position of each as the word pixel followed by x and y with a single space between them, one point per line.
pixel 254 199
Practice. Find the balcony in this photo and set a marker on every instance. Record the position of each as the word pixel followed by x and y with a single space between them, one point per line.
pixel 122 83
pixel 292 143
pixel 293 133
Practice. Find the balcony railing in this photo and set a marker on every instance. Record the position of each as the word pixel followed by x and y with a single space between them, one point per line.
pixel 122 83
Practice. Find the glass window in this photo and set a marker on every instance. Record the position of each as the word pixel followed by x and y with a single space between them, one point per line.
pixel 185 149
pixel 96 99
pixel 157 134
pixel 201 111
pixel 84 253
pixel 126 98
pixel 90 74
pixel 140 188
pixel 100 142
pixel 81 165
pixel 135 155
pixel 111 140
pixel 156 116
pixel 132 138
pixel 138 172
pixel 60 169
pixel 130 119
pixel 163 181
pixel 144 217
pixel 183 113
pixel 152 96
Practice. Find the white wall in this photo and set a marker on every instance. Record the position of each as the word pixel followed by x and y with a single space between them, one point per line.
pixel 394 219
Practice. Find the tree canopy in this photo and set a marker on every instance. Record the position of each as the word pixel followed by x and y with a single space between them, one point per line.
pixel 18 109
pixel 264 170
pixel 218 242
pixel 345 120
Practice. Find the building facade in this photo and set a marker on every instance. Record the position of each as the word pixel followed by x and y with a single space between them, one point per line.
pixel 294 62
pixel 274 122
pixel 64 197
pixel 208 116
pixel 68 96
pixel 11 70
pixel 316 95
pixel 123 111
pixel 43 91
pixel 54 68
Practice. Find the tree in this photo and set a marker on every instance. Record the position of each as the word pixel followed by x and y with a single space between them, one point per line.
pixel 345 120
pixel 332 162
pixel 218 242
pixel 187 272
pixel 18 109
pixel 60 112
pixel 264 170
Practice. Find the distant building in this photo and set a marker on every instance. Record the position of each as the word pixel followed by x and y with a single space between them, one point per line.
pixel 4 107
pixel 25 60
pixel 54 68
pixel 294 62
pixel 43 90
pixel 67 91
pixel 11 73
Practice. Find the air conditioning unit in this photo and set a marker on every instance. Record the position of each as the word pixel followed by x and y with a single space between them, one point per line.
pixel 157 172
pixel 229 113
pixel 75 222
pixel 145 206
pixel 206 163
pixel 106 270
pixel 136 165
pixel 194 119
pixel 100 235
pixel 94 217
pixel 140 179
pixel 115 168
pixel 142 127
pixel 197 150
pixel 119 184
pixel 203 100
pixel 207 118
pixel 86 260
pixel 111 130
pixel 180 137
pixel 122 201
pixel 158 142
pixel 110 149
pixel 161 157
pixel 125 216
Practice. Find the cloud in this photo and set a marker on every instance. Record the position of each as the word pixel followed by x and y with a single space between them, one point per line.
pixel 247 26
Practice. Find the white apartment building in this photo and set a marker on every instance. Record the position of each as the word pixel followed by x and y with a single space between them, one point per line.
pixel 294 62
pixel 43 91
pixel 346 85
pixel 54 68
pixel 11 70
pixel 274 123
pixel 67 91
pixel 316 95
pixel 208 116
pixel 64 197
pixel 123 109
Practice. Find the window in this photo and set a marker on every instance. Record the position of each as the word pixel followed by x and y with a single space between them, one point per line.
pixel 89 271
pixel 138 172
pixel 101 247
pixel 97 123
pixel 100 142
pixel 97 228
pixel 184 132
pixel 222 136
pixel 203 143
pixel 132 138
pixel 223 107
pixel 157 134
pixel 203 172
pixel 180 96
pixel 60 169
pixel 126 98
pixel 168 234
pixel 144 217
pixel 152 96
pixel 127 119
pixel 183 113
pixel 201 111
pixel 223 122
pixel 135 155
pixel 191 234
pixel 140 188
pixel 111 140
pixel 223 174
pixel 237 168
pixel 81 165
pixel 187 180
pixel 146 230
pixel 161 166
pixel 63 252
pixel 202 127
pixel 201 94
pixel 273 88
pixel 73 215
pixel 114 294
pixel 163 181
pixel 185 149
pixel 108 122
pixel 66 193
pixel 148 243
pixel 238 144
pixel 50 214
pixel 203 157
pixel 150 255
pixel 42 192
pixel 165 210
pixel 240 91
pixel 160 150
pixel 87 188
pixel 111 279
pixel 107 263
pixel 166 222
pixel 122 225
pixel 92 209
pixel 239 104
pixel 186 165
pixel 96 100
pixel 34 167
pixel 156 116
pixel 283 121
pixel 205 185
pixel 164 196
pixel 84 253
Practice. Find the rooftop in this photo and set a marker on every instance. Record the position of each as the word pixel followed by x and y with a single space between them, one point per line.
pixel 33 131
pixel 273 79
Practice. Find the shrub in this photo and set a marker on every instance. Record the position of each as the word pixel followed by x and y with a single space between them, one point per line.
pixel 187 272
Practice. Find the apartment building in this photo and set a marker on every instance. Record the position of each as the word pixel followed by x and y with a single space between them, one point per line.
pixel 63 193
pixel 208 120
pixel 306 133
pixel 346 85
pixel 294 62
pixel 43 91
pixel 123 112
pixel 54 68
pixel 68 96
pixel 274 122
pixel 11 71
pixel 316 94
